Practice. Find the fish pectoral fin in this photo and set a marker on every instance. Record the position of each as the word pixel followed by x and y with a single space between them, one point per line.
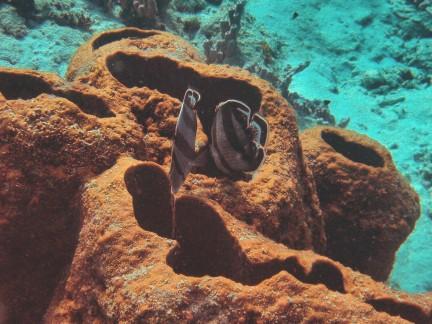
pixel 260 157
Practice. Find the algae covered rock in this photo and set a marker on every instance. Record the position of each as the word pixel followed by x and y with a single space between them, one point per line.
pixel 53 136
pixel 369 208
pixel 131 40
pixel 11 23
pixel 149 73
pixel 217 269
pixel 89 229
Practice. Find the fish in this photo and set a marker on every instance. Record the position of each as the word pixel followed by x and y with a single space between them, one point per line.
pixel 236 144
pixel 183 152
pixel 238 139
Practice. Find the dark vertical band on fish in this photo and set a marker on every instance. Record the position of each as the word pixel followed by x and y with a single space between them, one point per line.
pixel 183 151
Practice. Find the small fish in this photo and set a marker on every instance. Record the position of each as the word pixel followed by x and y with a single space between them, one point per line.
pixel 236 142
pixel 183 151
pixel 238 139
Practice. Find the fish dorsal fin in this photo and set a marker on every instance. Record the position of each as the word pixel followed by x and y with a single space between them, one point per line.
pixel 263 126
pixel 183 149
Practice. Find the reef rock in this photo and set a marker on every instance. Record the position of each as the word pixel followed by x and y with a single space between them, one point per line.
pixel 88 231
pixel 53 136
pixel 369 207
pixel 11 23
pixel 219 270
pixel 144 73
pixel 131 40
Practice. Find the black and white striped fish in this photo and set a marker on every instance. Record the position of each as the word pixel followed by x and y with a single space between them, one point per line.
pixel 238 139
pixel 236 142
pixel 183 152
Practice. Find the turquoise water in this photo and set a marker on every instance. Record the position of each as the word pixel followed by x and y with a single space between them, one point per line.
pixel 370 59
pixel 343 51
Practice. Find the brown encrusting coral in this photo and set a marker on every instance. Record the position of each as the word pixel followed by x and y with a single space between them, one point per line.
pixel 130 39
pixel 150 75
pixel 219 270
pixel 89 232
pixel 369 207
pixel 53 136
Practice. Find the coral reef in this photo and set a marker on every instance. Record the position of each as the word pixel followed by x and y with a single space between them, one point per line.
pixel 250 278
pixel 56 135
pixel 344 45
pixel 53 137
pixel 388 42
pixel 286 208
pixel 221 43
pixel 64 12
pixel 191 6
pixel 90 233
pixel 369 208
pixel 26 8
pixel 385 80
pixel 311 112
pixel 145 11
pixel 142 13
pixel 11 23
pixel 130 39
pixel 107 244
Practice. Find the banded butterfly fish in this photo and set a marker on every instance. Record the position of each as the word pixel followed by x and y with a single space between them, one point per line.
pixel 236 143
pixel 238 139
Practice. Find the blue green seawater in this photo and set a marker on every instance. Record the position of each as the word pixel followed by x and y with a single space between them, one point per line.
pixel 350 44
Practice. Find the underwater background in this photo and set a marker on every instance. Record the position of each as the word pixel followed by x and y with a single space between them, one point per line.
pixel 363 65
